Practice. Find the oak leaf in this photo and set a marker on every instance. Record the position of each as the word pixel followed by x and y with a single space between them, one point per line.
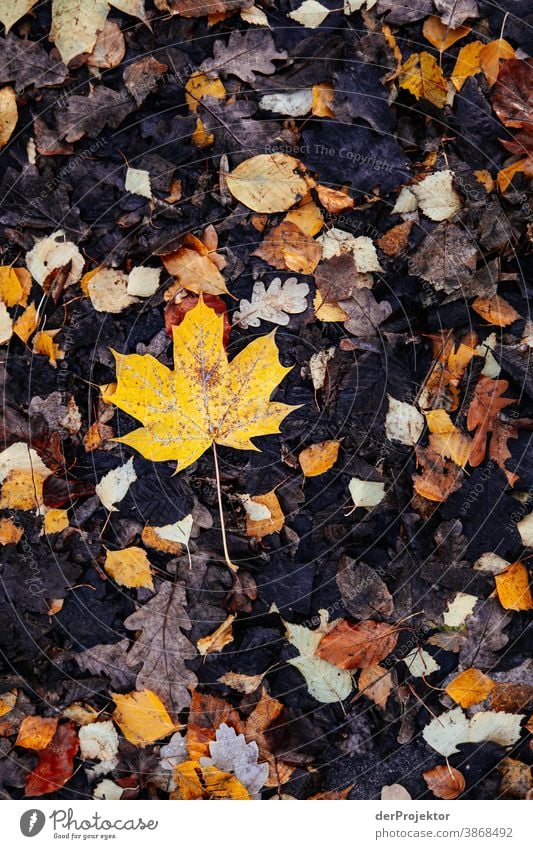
pixel 274 303
pixel 206 399
pixel 484 408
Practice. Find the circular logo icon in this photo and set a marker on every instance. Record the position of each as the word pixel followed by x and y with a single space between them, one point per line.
pixel 32 822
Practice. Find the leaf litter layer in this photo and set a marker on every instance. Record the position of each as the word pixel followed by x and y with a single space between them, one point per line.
pixel 265 505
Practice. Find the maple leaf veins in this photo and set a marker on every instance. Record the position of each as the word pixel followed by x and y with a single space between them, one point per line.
pixel 206 399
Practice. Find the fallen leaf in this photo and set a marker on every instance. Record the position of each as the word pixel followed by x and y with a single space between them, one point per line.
pixel 421 75
pixel 491 56
pixel 310 14
pixel 199 85
pixel 50 255
pixel 325 681
pixel 274 304
pixel 438 477
pixel 8 114
pixel 138 182
pixel 441 388
pixel 216 641
pixel 270 182
pixel 394 242
pixel 269 520
pixel 99 741
pixel 513 588
pixel 196 782
pixel 446 732
pixel 366 493
pixel 322 107
pixel 289 248
pixel 55 521
pixel 445 782
pixel 7 702
pixel 337 242
pixel 517 779
pixel 468 63
pixel 404 423
pixel 359 646
pixel 376 684
pixel 214 401
pixel 470 687
pixel 306 216
pixel 36 732
pixel 194 269
pixel 505 176
pixel 109 49
pixel 6 325
pixel 446 439
pixel 437 197
pixel 9 15
pixel 420 663
pixel 242 683
pixel 495 310
pixel 319 458
pixel 161 648
pixel 206 713
pixel 56 762
pixel 142 717
pixel 442 36
pixel 231 753
pixel 10 534
pixel 114 486
pixel 394 793
pixel 245 54
pixel 129 567
pixel 486 404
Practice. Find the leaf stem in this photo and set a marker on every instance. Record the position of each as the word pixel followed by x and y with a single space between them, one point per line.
pixel 231 565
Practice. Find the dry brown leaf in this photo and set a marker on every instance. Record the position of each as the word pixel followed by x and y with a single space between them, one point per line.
pixel 422 76
pixel 287 247
pixel 394 242
pixel 445 782
pixel 486 404
pixel 517 779
pixel 513 588
pixel 440 35
pixel 470 687
pixel 264 714
pixel 270 182
pixel 495 310
pixel 358 646
pixel 334 200
pixel 511 698
pixel 375 682
pixel 319 458
pixel 219 638
pixel 438 477
pixel 195 271
pixel 242 683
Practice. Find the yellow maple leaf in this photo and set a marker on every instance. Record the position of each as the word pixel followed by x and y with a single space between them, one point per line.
pixel 206 399
pixel 422 76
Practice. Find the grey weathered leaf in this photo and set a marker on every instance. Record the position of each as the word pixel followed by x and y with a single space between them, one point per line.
pixel 455 12
pixel 26 63
pixel 363 591
pixel 245 54
pixel 231 753
pixel 87 116
pixel 162 648
pixel 365 314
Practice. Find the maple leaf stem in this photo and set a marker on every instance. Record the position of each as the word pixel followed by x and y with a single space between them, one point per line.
pixel 227 558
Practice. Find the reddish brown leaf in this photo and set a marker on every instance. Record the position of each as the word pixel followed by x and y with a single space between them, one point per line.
pixel 445 782
pixel 56 762
pixel 484 408
pixel 358 646
pixel 206 714
pixel 513 95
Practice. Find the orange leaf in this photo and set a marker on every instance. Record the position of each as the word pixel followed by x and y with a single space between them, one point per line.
pixel 513 588
pixel 468 63
pixel 484 408
pixel 36 732
pixel 440 35
pixel 438 477
pixel 288 248
pixel 470 687
pixel 272 523
pixel 319 458
pixel 490 58
pixel 375 683
pixel 505 176
pixel 422 76
pixel 394 242
pixel 445 782
pixel 495 310
pixel 323 98
pixel 194 781
pixel 358 646
pixel 205 715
